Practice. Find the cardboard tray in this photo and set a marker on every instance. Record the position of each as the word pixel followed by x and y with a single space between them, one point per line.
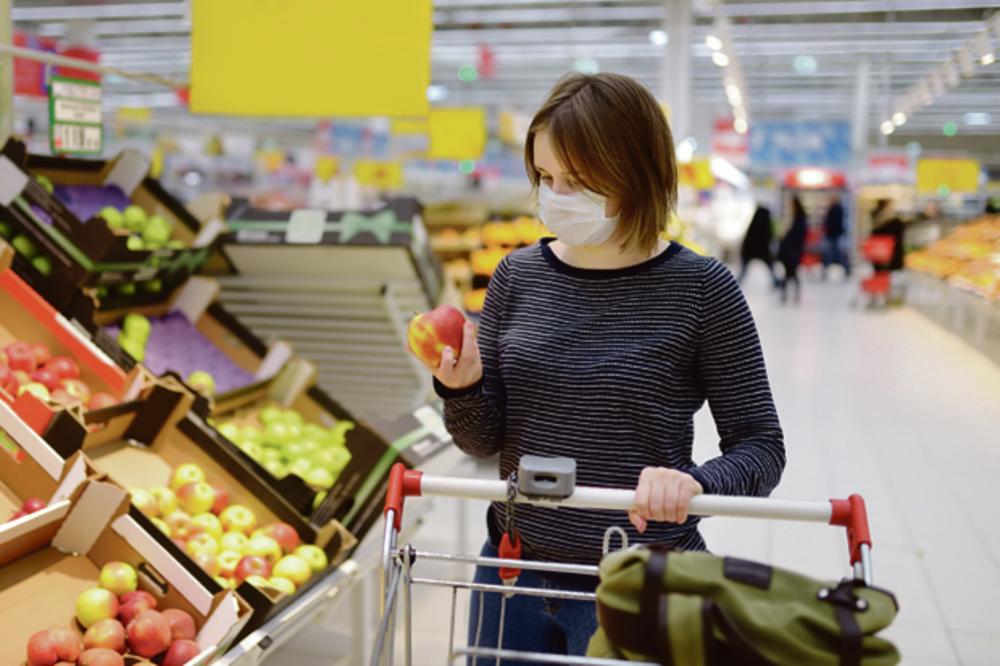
pixel 27 316
pixel 88 250
pixel 41 572
pixel 196 301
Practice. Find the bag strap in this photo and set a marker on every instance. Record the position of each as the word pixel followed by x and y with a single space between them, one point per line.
pixel 845 604
pixel 653 605
pixel 715 616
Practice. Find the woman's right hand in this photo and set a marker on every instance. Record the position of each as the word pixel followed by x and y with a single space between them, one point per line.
pixel 467 369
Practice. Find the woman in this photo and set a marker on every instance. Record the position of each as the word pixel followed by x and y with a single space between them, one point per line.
pixel 791 248
pixel 601 345
pixel 757 243
pixel 885 222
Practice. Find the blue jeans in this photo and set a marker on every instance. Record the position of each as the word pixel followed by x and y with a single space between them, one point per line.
pixel 532 624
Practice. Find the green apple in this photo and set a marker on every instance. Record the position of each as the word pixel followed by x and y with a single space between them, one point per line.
pixel 127 289
pixel 270 454
pixel 277 432
pixel 320 496
pixel 46 183
pixel 166 501
pixel 294 568
pixel 132 347
pixel 319 477
pixel 210 523
pixel 153 286
pixel 275 468
pixel 43 265
pixel 135 244
pixel 294 430
pixel 269 414
pixel 300 467
pixel 185 474
pixel 176 244
pixel 236 542
pixel 136 326
pixel 6 231
pixel 24 246
pixel 238 518
pixel 292 417
pixel 156 234
pixel 94 605
pixel 333 459
pixel 282 585
pixel 251 434
pixel 202 382
pixel 113 217
pixel 293 450
pixel 313 555
pixel 313 431
pixel 310 447
pixel 36 389
pixel 252 449
pixel 134 218
pixel 230 431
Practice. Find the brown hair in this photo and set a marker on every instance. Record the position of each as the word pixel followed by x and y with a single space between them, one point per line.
pixel 612 137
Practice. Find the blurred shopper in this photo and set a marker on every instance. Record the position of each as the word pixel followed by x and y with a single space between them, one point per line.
pixel 885 222
pixel 835 230
pixel 601 345
pixel 757 243
pixel 791 248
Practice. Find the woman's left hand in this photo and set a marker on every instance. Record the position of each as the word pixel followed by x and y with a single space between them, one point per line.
pixel 663 495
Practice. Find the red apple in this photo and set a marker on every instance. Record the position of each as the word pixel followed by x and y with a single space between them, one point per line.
pixel 63 397
pixel 180 653
pixel 17 514
pixel 133 603
pixel 429 333
pixel 285 535
pixel 32 504
pixel 8 380
pixel 77 389
pixel 42 354
pixel 101 400
pixel 108 634
pixel 94 605
pixel 64 366
pixel 251 565
pixel 47 378
pixel 221 499
pixel 20 356
pixel 101 657
pixel 54 645
pixel 182 626
pixel 149 633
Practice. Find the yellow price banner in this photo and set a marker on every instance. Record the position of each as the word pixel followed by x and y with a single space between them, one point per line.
pixel 457 134
pixel 310 57
pixel 951 175
pixel 381 174
pixel 697 174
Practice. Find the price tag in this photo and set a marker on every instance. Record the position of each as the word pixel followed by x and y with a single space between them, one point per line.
pixel 76 119
pixel 306 226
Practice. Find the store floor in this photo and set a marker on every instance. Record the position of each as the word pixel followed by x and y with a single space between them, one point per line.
pixel 882 403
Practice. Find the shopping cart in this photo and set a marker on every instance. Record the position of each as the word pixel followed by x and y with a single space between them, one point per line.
pixel 878 250
pixel 547 488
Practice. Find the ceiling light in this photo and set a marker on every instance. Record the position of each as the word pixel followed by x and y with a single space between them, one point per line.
pixel 740 125
pixel 988 59
pixel 685 150
pixel 888 128
pixel 436 93
pixel 804 64
pixel 978 118
pixel 733 92
pixel 468 73
pixel 720 59
pixel 898 118
pixel 949 129
pixel 713 42
pixel 658 38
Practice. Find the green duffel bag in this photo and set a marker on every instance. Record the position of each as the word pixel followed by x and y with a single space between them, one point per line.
pixel 697 609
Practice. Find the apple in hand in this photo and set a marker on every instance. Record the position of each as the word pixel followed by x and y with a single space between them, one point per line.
pixel 94 605
pixel 294 568
pixel 228 560
pixel 108 634
pixel 251 565
pixel 118 578
pixel 64 366
pixel 101 657
pixel 196 497
pixel 285 535
pixel 51 646
pixel 238 518
pixel 429 333
pixel 42 354
pixel 180 653
pixel 20 356
pixel 313 555
pixel 182 626
pixel 149 633
pixel 264 546
pixel 185 474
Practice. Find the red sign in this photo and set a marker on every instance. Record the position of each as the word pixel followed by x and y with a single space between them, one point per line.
pixel 487 65
pixel 80 53
pixel 29 75
pixel 730 144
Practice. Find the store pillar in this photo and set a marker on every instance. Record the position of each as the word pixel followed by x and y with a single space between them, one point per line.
pixel 6 72
pixel 675 68
pixel 859 111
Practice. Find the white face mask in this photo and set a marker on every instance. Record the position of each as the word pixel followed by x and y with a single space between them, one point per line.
pixel 575 219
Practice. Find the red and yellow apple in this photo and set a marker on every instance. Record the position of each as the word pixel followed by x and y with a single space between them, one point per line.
pixel 143 501
pixel 118 578
pixel 100 657
pixel 180 653
pixel 234 541
pixel 209 562
pixel 101 400
pixel 109 634
pixel 166 500
pixel 210 523
pixel 196 497
pixel 51 646
pixel 283 585
pixel 185 474
pixel 202 543
pixel 42 354
pixel 429 333
pixel 238 518
pixel 64 366
pixel 20 356
pixel 294 568
pixel 134 603
pixel 313 555
pixel 251 565
pixel 182 626
pixel 285 535
pixel 94 605
pixel 221 499
pixel 228 561
pixel 161 525
pixel 264 546
pixel 149 633
pixel 77 389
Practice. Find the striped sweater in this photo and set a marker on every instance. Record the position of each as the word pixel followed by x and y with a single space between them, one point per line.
pixel 609 367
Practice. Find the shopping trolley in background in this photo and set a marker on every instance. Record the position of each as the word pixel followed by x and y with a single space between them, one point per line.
pixel 878 250
pixel 543 484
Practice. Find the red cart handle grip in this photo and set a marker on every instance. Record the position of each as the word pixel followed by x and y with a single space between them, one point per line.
pixel 851 513
pixel 403 483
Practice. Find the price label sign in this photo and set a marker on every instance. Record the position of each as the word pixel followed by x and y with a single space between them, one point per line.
pixel 76 119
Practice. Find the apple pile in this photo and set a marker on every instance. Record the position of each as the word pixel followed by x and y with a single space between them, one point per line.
pixel 284 444
pixel 26 247
pixel 117 619
pixel 224 539
pixel 31 368
pixel 145 232
pixel 30 505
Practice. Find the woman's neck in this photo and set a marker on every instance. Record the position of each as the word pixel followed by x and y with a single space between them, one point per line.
pixel 608 255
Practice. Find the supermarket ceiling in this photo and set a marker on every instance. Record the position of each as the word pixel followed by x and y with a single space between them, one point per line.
pixel 800 58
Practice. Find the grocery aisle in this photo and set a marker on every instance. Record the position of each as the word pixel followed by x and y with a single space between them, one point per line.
pixel 882 403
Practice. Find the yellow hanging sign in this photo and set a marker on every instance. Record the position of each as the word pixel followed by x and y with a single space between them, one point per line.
pixel 327 166
pixel 381 174
pixel 310 57
pixel 457 133
pixel 939 176
pixel 697 174
pixel 408 126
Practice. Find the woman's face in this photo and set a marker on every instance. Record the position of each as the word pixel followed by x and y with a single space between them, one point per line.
pixel 553 174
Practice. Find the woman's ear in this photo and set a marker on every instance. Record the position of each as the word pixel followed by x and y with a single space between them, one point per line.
pixel 612 208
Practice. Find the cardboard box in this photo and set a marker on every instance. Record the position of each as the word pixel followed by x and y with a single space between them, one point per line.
pixel 88 250
pixel 28 317
pixel 194 332
pixel 49 557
